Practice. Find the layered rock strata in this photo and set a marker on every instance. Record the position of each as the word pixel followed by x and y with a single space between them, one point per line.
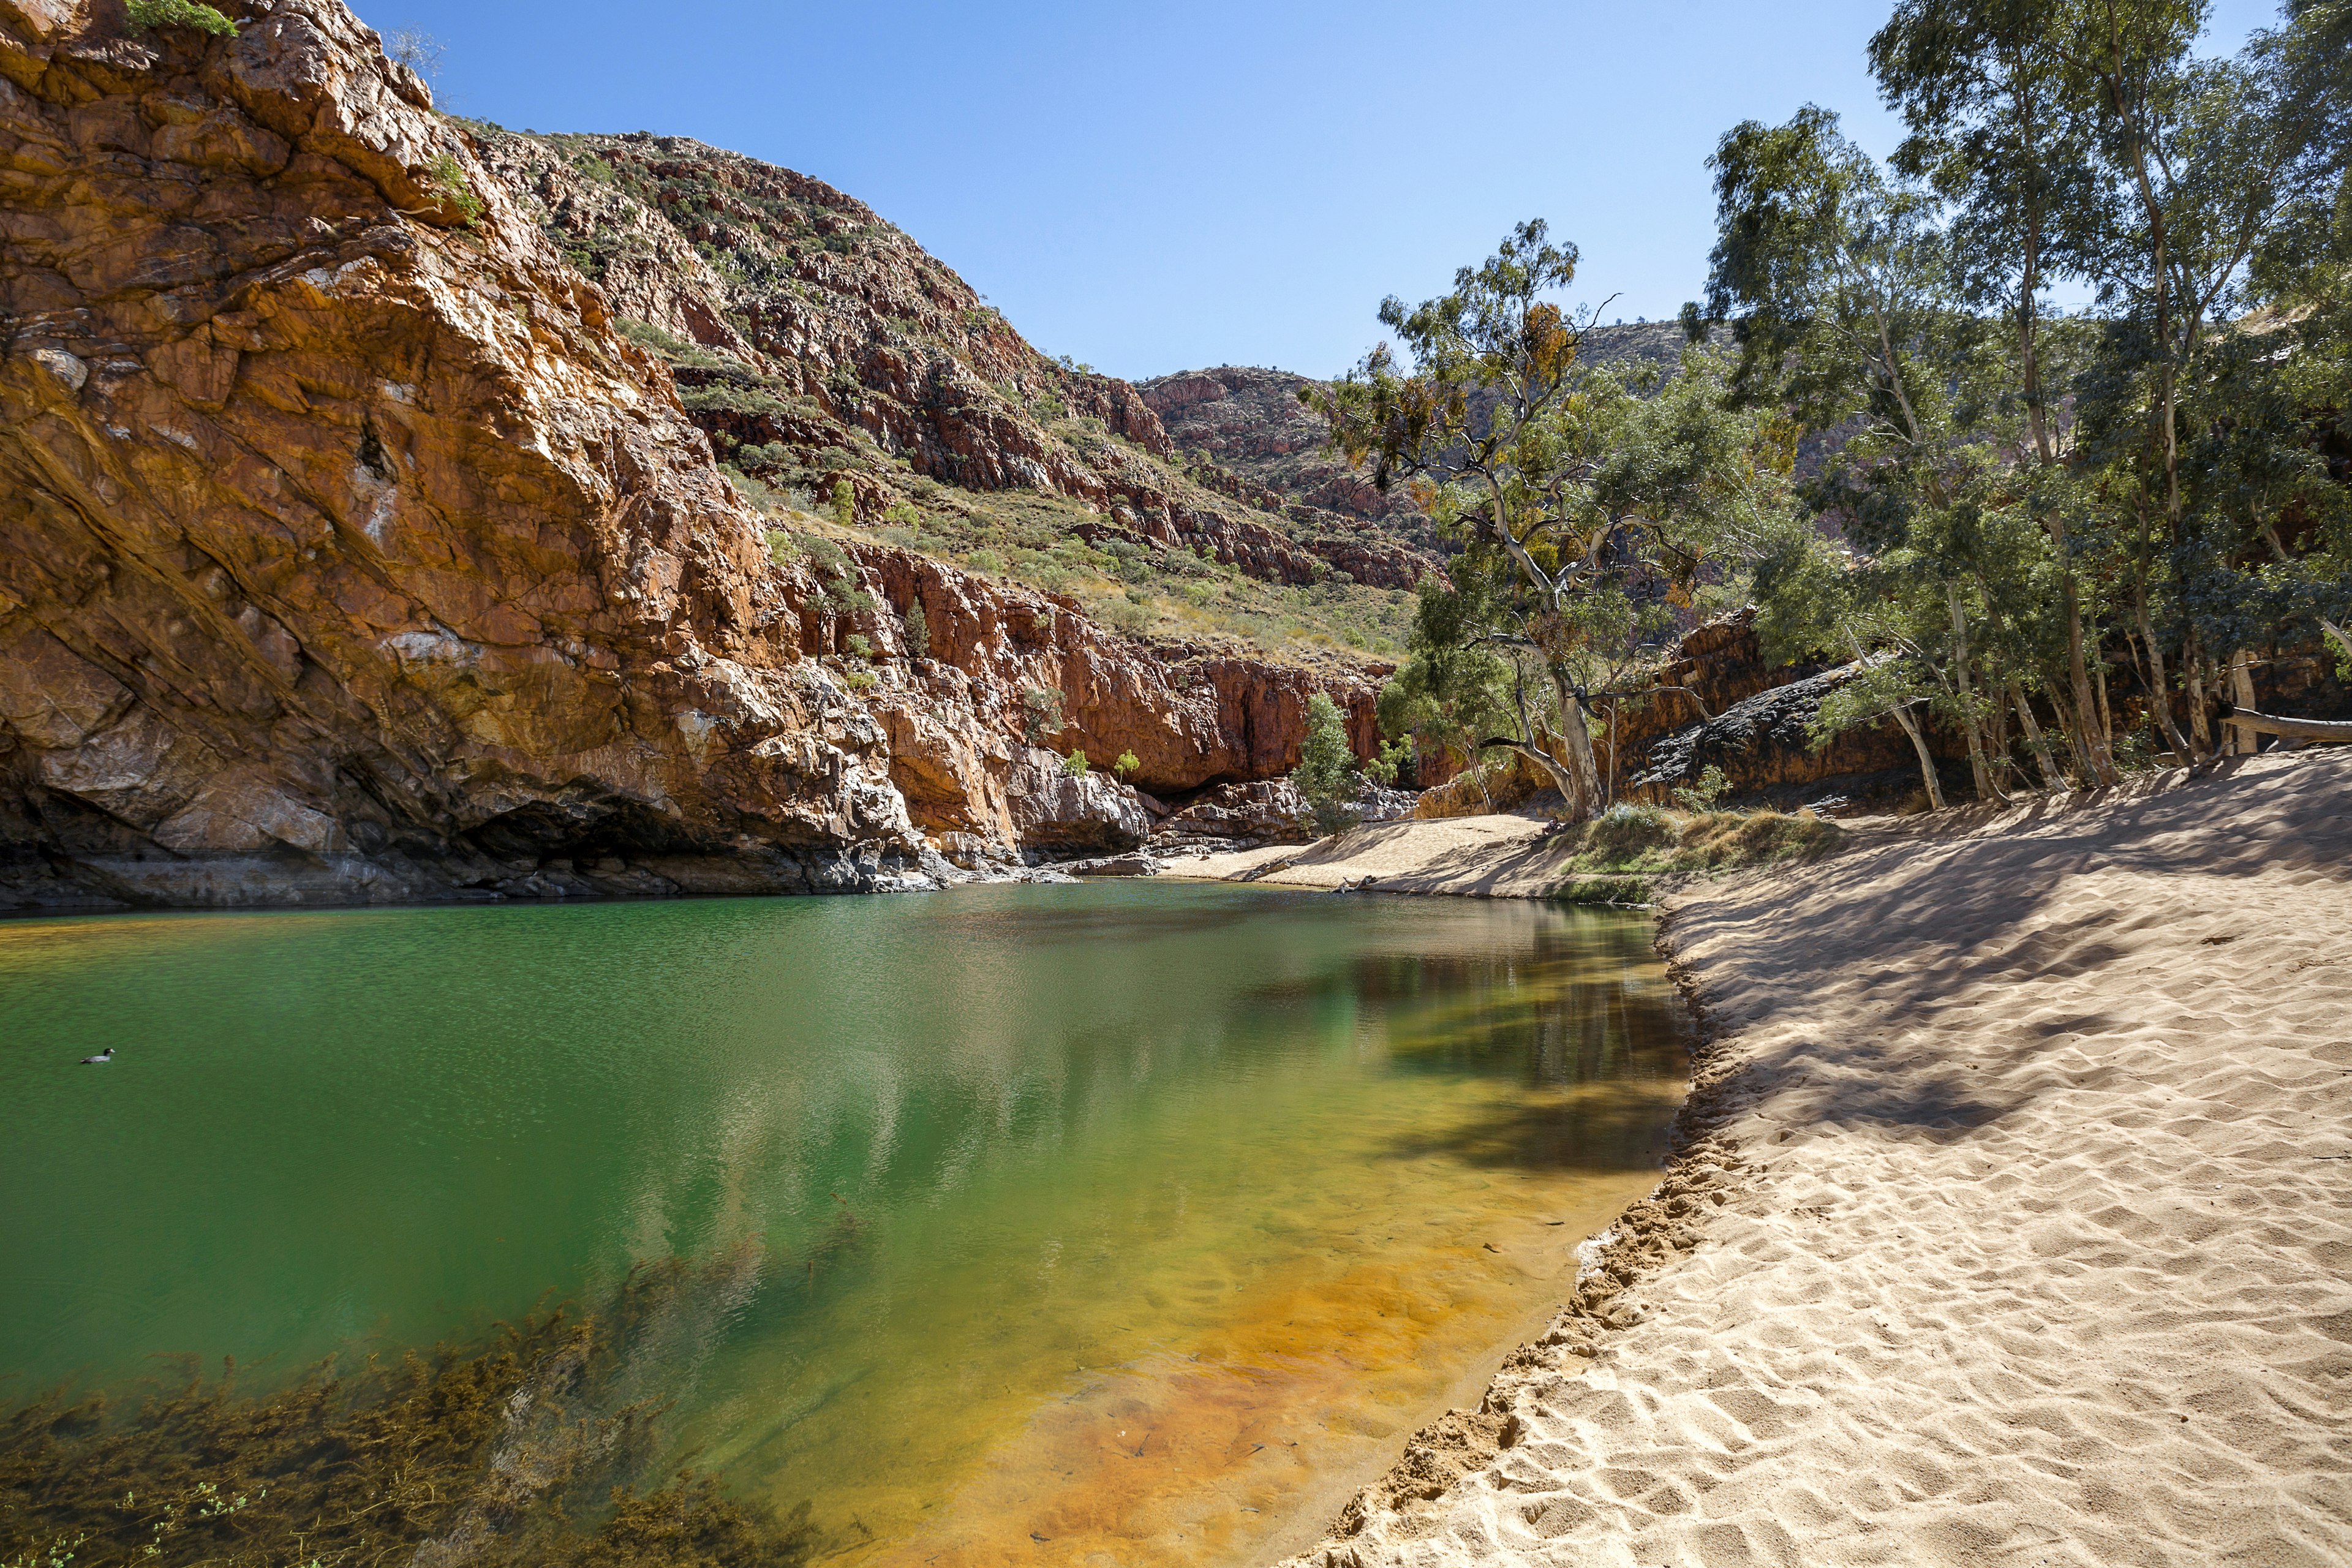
pixel 348 552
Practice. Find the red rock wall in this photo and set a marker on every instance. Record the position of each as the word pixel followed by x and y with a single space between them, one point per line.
pixel 346 551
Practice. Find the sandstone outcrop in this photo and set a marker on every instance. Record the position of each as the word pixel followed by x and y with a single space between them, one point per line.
pixel 349 552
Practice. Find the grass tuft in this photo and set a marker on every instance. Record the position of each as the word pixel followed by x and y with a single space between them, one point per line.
pixel 1628 842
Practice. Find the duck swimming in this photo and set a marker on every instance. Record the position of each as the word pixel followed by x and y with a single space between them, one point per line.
pixel 100 1059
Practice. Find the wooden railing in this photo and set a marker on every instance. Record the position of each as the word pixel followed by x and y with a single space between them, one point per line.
pixel 2291 728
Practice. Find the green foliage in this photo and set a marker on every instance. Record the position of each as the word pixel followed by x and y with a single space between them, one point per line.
pixel 1326 775
pixel 1593 508
pixel 143 15
pixel 837 575
pixel 445 177
pixel 1075 764
pixel 728 398
pixel 1700 797
pixel 1648 841
pixel 861 647
pixel 1454 690
pixel 1041 714
pixel 844 503
pixel 1393 758
pixel 985 560
pixel 1126 764
pixel 918 634
pixel 1612 890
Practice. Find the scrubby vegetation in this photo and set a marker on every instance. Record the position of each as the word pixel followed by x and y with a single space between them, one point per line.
pixel 1613 856
pixel 789 249
pixel 525 1450
pixel 1326 776
pixel 143 14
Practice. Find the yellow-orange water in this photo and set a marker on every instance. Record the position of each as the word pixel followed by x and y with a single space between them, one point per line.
pixel 1130 1225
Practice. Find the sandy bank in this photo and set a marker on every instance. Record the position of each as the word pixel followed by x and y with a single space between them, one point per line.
pixel 2013 1223
pixel 1501 857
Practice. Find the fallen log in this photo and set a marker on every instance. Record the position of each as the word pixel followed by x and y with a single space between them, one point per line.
pixel 2292 729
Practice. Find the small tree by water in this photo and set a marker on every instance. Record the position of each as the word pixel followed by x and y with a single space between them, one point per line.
pixel 1326 775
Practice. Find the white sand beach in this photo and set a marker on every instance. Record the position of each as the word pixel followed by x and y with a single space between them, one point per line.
pixel 2012 1222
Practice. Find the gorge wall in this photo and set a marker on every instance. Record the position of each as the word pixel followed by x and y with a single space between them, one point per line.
pixel 349 551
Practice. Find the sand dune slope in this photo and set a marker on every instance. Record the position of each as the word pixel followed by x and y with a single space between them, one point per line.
pixel 2044 1250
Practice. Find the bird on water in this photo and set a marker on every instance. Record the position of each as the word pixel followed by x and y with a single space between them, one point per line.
pixel 100 1059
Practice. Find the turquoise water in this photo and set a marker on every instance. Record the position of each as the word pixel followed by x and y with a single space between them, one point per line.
pixel 1002 1186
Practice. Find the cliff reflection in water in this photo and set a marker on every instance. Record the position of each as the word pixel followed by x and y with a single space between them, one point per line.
pixel 1122 1215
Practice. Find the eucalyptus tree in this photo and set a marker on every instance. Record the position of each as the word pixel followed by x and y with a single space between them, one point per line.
pixel 1841 287
pixel 2220 167
pixel 1588 511
pixel 1991 93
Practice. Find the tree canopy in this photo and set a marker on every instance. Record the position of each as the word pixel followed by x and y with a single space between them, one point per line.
pixel 2063 536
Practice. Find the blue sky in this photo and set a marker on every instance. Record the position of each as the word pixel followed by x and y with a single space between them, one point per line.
pixel 1158 188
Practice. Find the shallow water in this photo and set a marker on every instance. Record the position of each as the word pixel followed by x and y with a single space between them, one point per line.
pixel 1125 1222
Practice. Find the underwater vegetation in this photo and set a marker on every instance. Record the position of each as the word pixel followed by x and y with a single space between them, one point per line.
pixel 529 1448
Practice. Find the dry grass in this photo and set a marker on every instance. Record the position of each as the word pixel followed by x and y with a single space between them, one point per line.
pixel 1620 849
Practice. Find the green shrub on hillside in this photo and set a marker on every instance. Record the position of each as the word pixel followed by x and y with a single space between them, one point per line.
pixel 143 15
pixel 445 178
pixel 1712 786
pixel 1041 714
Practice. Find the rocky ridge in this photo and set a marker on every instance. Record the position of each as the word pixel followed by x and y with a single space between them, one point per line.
pixel 817 344
pixel 351 551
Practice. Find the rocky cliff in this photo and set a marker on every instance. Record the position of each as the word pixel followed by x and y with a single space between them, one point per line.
pixel 350 549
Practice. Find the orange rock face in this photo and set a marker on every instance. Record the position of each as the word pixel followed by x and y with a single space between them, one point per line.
pixel 347 553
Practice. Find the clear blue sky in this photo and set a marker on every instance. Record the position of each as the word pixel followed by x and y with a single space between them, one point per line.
pixel 1158 188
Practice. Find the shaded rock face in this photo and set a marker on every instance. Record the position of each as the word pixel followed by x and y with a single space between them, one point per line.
pixel 348 553
pixel 1237 816
pixel 1272 811
pixel 1757 734
pixel 1250 421
pixel 1057 814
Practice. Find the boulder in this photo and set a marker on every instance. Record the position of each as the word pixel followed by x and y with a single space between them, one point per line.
pixel 1057 814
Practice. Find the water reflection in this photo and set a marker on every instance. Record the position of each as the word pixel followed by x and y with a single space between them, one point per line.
pixel 1002 1171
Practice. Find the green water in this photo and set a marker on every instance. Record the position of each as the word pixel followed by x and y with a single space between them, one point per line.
pixel 1117 1223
